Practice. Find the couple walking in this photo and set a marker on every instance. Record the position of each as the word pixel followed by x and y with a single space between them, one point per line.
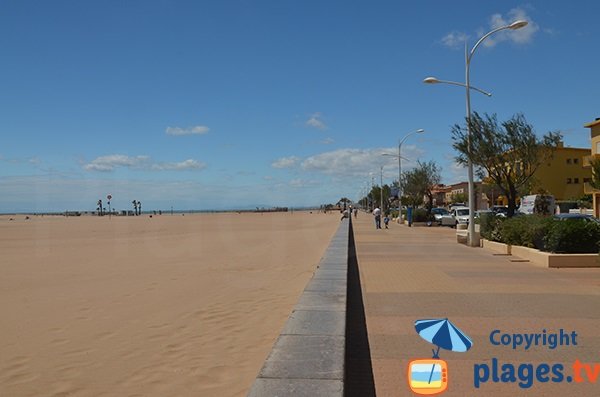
pixel 377 215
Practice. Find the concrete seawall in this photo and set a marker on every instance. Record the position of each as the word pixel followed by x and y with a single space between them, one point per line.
pixel 308 358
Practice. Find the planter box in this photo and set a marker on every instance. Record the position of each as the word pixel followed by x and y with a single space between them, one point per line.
pixel 547 259
pixel 498 248
pixel 544 259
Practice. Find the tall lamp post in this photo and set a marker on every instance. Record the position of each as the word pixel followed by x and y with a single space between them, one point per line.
pixel 473 241
pixel 400 188
pixel 381 189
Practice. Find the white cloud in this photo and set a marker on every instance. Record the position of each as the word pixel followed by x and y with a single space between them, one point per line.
pixel 195 130
pixel 315 121
pixel 360 162
pixel 458 172
pixel 455 39
pixel 111 162
pixel 188 164
pixel 523 35
pixel 285 162
pixel 327 141
pixel 519 36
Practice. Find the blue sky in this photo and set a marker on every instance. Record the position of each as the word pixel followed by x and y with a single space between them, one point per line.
pixel 228 104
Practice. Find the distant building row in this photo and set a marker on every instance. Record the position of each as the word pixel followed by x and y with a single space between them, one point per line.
pixel 566 176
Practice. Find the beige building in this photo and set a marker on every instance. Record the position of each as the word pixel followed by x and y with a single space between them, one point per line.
pixel 462 188
pixel 594 127
pixel 563 176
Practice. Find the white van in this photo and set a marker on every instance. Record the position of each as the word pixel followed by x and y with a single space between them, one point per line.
pixel 531 204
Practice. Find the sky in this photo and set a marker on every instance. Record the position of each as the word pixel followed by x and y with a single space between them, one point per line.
pixel 237 104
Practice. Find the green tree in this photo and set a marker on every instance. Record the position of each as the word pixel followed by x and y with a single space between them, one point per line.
pixel 419 182
pixel 509 154
pixel 458 198
pixel 343 202
pixel 595 182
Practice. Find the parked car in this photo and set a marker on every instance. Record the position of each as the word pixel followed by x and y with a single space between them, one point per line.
pixel 584 217
pixel 480 213
pixel 457 215
pixel 500 210
pixel 438 213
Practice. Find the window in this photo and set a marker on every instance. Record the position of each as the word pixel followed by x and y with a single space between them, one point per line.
pixel 568 161
pixel 587 180
pixel 568 181
pixel 575 161
pixel 576 180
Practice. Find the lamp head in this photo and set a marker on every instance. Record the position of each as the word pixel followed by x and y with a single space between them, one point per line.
pixel 431 80
pixel 518 24
pixel 420 131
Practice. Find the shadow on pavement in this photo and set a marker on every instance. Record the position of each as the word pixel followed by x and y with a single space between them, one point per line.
pixel 358 377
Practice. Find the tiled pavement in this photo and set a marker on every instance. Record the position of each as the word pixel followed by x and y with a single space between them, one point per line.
pixel 420 272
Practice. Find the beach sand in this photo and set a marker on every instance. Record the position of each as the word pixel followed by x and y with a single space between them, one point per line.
pixel 138 306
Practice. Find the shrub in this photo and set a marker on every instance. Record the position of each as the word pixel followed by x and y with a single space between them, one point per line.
pixel 527 230
pixel 573 236
pixel 420 215
pixel 489 226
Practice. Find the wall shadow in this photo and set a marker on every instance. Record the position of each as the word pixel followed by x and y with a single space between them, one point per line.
pixel 358 371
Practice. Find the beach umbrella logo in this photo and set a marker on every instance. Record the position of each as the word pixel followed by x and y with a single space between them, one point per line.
pixel 430 376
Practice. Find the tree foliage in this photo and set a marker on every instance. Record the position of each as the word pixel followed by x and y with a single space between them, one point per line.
pixel 595 182
pixel 509 153
pixel 374 197
pixel 419 182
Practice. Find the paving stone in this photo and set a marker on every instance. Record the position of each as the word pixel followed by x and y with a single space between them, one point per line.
pixel 334 286
pixel 321 301
pixel 270 387
pixel 332 274
pixel 306 357
pixel 316 322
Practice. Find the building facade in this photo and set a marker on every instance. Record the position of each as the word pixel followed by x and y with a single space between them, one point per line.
pixel 594 127
pixel 564 175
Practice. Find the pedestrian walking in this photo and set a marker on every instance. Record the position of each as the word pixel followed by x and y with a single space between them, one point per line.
pixel 386 220
pixel 377 215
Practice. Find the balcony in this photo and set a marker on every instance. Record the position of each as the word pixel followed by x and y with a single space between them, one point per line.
pixel 586 163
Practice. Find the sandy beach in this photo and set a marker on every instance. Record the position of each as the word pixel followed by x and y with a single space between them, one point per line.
pixel 138 306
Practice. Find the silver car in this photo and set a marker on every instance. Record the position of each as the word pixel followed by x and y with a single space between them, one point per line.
pixel 438 213
pixel 457 215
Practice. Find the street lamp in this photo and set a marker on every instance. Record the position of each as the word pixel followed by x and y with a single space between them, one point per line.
pixel 400 190
pixel 399 156
pixel 473 241
pixel 381 189
pixel 434 80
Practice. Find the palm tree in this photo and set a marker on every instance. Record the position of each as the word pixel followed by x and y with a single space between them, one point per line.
pixel 343 202
pixel 135 206
pixel 139 207
pixel 99 207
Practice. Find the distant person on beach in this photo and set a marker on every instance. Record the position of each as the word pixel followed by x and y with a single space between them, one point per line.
pixel 377 215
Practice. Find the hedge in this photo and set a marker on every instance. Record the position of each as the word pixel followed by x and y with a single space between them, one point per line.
pixel 543 233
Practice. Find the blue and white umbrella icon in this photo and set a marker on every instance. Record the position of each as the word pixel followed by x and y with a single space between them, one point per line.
pixel 442 333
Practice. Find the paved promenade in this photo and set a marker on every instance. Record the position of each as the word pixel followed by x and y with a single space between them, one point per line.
pixel 420 272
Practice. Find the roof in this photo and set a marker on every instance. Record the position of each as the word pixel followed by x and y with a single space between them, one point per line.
pixel 593 123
